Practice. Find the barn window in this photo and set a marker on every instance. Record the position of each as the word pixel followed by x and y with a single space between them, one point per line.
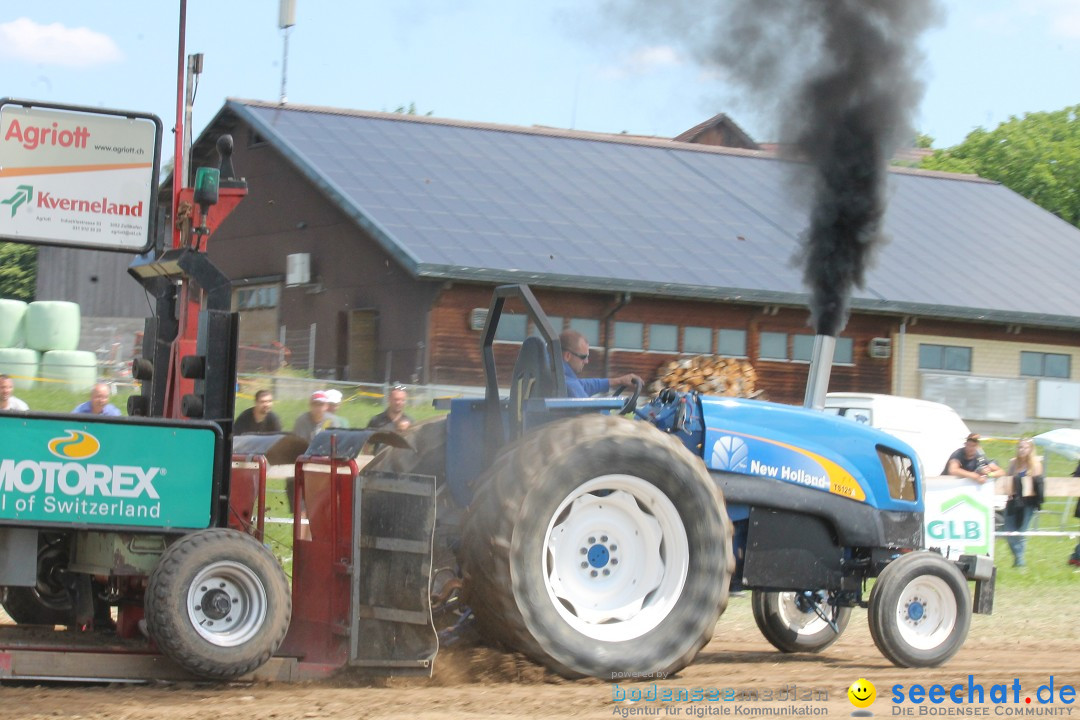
pixel 663 338
pixel 1050 365
pixel 629 336
pixel 732 343
pixel 588 327
pixel 512 327
pixel 944 357
pixel 697 340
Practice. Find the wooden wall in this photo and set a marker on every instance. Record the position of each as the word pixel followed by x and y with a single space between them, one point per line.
pixel 455 348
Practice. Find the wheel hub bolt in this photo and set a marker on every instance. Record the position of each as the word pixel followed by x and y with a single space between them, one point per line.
pixel 216 604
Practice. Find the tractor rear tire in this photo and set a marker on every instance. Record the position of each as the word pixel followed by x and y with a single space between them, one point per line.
pixel 791 627
pixel 920 610
pixel 598 546
pixel 218 604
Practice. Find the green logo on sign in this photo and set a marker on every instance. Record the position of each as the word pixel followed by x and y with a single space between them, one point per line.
pixel 22 195
pixel 967 523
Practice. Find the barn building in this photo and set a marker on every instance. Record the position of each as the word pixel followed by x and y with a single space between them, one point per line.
pixel 377 238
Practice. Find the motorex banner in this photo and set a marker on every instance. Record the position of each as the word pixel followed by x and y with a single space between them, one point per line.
pixel 75 471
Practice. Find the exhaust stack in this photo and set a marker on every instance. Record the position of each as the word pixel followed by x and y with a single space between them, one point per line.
pixel 817 382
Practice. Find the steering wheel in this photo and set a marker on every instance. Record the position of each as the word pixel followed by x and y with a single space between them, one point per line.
pixel 631 402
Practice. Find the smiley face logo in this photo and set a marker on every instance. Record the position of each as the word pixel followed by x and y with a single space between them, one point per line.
pixel 862 693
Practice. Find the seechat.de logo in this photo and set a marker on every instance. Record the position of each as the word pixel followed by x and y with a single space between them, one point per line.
pixel 77 445
pixel 862 694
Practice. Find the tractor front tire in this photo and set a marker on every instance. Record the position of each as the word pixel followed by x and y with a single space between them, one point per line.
pixel 598 546
pixel 218 604
pixel 789 621
pixel 920 610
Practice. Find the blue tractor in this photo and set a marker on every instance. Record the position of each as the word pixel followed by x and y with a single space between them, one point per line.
pixel 602 536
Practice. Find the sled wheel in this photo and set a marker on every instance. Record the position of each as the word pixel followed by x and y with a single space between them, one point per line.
pixel 49 601
pixel 598 546
pixel 218 603
pixel 920 610
pixel 792 621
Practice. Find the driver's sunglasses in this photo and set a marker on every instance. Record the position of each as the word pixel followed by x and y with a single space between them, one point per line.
pixel 579 356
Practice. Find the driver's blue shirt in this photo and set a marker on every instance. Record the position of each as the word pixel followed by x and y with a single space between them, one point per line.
pixel 583 387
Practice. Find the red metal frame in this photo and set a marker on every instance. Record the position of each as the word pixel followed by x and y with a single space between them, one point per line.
pixel 322 564
pixel 247 492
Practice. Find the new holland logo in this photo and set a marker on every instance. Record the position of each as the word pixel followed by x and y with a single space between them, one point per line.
pixel 730 453
pixel 78 445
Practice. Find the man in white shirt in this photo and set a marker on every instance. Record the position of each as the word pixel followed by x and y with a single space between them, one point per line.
pixel 7 400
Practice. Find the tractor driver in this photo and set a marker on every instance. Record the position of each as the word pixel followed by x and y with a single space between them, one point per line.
pixel 575 353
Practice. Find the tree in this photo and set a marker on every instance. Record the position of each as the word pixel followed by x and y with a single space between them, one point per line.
pixel 1037 156
pixel 18 271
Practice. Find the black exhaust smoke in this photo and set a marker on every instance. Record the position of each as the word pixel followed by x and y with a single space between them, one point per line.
pixel 840 76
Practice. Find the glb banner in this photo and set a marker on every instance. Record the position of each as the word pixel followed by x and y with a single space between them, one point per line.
pixel 82 177
pixel 76 471
pixel 959 516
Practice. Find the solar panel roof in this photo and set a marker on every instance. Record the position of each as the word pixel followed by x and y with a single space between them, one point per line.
pixel 561 208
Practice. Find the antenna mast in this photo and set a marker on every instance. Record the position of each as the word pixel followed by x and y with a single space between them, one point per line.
pixel 286 19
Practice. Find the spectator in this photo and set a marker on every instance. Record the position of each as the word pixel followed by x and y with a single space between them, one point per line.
pixel 1074 559
pixel 7 400
pixel 315 419
pixel 971 462
pixel 1026 489
pixel 259 417
pixel 393 417
pixel 333 402
pixel 98 404
pixel 575 350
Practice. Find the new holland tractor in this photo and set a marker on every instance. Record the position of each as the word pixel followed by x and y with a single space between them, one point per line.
pixel 599 537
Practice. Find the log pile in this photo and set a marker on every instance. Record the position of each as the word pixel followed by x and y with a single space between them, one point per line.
pixel 708 374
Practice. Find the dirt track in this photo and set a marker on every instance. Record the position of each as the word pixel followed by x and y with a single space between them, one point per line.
pixel 1015 643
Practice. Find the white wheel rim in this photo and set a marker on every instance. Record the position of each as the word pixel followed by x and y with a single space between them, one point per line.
pixel 615 557
pixel 926 612
pixel 803 622
pixel 227 604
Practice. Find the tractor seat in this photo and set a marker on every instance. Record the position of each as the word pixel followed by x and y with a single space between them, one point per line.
pixel 533 377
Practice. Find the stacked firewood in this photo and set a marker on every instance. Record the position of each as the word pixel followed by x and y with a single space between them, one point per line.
pixel 708 374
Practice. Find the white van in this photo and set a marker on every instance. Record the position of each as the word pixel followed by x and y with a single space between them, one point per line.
pixel 933 429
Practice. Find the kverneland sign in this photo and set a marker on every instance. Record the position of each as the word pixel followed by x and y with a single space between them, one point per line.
pixel 77 176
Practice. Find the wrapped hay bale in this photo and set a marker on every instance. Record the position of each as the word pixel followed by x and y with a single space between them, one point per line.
pixel 21 364
pixel 52 325
pixel 77 370
pixel 11 323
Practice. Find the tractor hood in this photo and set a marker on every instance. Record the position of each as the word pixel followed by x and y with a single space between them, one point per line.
pixel 809 448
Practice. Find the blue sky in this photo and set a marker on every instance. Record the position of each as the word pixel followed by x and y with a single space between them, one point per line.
pixel 543 62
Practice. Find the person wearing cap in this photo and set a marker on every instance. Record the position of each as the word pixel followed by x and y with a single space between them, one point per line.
pixel 316 418
pixel 333 402
pixel 971 462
